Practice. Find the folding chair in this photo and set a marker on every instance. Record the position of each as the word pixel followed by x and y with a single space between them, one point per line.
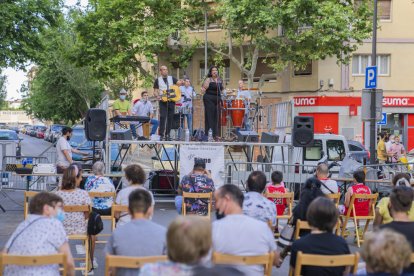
pixel 265 260
pixel 113 261
pixel 93 195
pixel 27 196
pixel 289 201
pixel 351 213
pixel 208 196
pixel 304 225
pixel 115 209
pixel 325 261
pixel 60 259
pixel 81 237
pixel 335 198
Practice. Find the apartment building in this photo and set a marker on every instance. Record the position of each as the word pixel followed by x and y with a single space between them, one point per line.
pixel 331 93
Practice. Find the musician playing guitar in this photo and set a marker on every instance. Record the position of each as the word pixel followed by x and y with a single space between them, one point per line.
pixel 162 85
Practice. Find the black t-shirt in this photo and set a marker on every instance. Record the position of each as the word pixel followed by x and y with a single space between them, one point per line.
pixel 321 244
pixel 406 229
pixel 156 85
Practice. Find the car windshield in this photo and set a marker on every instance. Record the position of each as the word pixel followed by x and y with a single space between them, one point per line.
pixel 57 128
pixel 78 136
pixel 8 135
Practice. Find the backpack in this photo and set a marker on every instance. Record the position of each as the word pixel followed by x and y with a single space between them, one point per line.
pixel 95 224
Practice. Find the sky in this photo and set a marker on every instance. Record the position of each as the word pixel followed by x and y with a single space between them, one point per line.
pixel 16 78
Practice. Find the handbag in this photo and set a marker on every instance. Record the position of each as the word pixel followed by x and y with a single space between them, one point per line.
pixel 286 235
pixel 95 224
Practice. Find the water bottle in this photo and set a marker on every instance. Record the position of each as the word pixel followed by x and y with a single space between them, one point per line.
pixel 187 135
pixel 210 135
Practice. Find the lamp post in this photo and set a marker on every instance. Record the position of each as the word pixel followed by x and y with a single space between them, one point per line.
pixel 373 121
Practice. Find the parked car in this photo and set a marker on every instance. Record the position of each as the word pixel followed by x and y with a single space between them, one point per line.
pixel 40 133
pixel 79 141
pixel 11 135
pixel 56 132
pixel 358 152
pixel 15 128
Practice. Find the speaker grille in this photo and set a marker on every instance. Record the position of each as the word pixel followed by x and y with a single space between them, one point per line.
pixel 95 124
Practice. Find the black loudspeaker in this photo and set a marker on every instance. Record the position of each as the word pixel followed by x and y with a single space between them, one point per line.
pixel 247 136
pixel 269 137
pixel 121 134
pixel 302 133
pixel 95 124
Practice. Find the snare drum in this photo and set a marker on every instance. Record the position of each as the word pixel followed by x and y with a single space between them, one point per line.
pixel 237 112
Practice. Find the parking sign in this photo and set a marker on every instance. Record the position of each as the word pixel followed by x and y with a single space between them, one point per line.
pixel 383 121
pixel 371 77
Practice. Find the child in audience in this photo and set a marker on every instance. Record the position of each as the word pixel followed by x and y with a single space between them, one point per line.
pixel 359 187
pixel 277 187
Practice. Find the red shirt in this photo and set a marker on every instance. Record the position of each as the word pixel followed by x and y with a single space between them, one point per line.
pixel 361 205
pixel 280 203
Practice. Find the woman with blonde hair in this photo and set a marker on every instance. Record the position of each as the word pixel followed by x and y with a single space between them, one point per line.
pixel 188 242
pixel 385 251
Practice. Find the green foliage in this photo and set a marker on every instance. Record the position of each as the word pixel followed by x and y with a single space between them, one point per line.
pixel 61 91
pixel 22 22
pixel 3 91
pixel 311 30
pixel 119 37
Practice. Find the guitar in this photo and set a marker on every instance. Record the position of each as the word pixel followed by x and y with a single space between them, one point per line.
pixel 171 95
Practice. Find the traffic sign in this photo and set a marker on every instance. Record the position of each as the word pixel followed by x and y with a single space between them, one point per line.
pixel 383 121
pixel 371 77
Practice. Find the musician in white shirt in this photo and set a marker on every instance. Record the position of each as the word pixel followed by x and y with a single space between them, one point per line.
pixel 144 108
pixel 187 95
pixel 246 96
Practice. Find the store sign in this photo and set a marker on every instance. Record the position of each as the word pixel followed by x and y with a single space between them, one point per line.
pixel 398 101
pixel 305 101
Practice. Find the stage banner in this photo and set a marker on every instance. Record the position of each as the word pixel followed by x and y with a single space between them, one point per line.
pixel 213 155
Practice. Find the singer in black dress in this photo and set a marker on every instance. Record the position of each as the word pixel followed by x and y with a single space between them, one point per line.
pixel 213 87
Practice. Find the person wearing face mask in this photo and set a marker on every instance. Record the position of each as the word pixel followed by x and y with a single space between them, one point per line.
pixel 121 106
pixel 64 150
pixel 396 150
pixel 144 107
pixel 75 222
pixel 237 234
pixel 40 234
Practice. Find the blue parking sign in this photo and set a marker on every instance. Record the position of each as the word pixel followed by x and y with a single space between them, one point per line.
pixel 371 77
pixel 383 121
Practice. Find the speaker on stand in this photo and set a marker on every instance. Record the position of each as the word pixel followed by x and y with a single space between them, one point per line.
pixel 302 132
pixel 95 126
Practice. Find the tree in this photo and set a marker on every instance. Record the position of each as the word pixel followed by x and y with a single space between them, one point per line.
pixel 61 90
pixel 21 24
pixel 290 31
pixel 121 38
pixel 3 90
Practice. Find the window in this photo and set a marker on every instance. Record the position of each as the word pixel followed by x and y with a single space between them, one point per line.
pixel 261 69
pixel 384 9
pixel 336 150
pixel 224 70
pixel 354 148
pixel 360 63
pixel 313 153
pixel 305 71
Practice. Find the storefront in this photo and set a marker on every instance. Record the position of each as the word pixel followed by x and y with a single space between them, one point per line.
pixel 341 115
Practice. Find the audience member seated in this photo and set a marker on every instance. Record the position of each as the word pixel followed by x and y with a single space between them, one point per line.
pixel 277 187
pixel 188 243
pixel 76 222
pixel 382 214
pixel 385 252
pixel 198 181
pixel 99 183
pixel 400 204
pixel 322 216
pixel 359 187
pixel 255 205
pixel 42 233
pixel 329 186
pixel 310 191
pixel 139 237
pixel 135 175
pixel 237 234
